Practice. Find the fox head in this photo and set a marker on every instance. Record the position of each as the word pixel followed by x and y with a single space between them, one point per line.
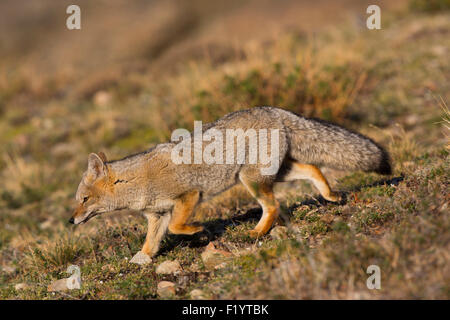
pixel 95 194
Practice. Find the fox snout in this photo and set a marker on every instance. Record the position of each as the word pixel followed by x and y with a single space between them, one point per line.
pixel 79 215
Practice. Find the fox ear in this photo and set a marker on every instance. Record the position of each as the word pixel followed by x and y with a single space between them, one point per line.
pixel 96 166
pixel 102 156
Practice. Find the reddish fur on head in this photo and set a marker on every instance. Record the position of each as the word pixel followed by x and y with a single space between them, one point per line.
pixel 94 191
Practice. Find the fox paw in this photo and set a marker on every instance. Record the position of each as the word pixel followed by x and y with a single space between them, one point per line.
pixel 333 197
pixel 255 234
pixel 141 258
pixel 187 229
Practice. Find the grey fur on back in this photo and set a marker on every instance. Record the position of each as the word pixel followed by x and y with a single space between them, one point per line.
pixel 317 142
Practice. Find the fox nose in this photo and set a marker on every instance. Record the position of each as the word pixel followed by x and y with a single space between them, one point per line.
pixel 72 220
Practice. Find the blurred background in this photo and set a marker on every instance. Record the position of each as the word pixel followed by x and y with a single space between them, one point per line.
pixel 157 34
pixel 139 69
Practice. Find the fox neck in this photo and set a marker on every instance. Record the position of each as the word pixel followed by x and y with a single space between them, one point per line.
pixel 130 197
pixel 132 187
pixel 132 179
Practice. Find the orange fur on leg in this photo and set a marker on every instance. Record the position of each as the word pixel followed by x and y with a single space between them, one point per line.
pixel 264 194
pixel 183 209
pixel 311 172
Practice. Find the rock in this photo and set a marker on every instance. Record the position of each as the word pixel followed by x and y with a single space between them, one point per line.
pixel 102 98
pixel 439 50
pixel 8 269
pixel 166 289
pixel 141 258
pixel 279 232
pixel 73 282
pixel 197 294
pixel 213 257
pixel 169 267
pixel 58 285
pixel 412 119
pixel 21 286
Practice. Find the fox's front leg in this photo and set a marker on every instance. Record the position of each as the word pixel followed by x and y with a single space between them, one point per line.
pixel 157 227
pixel 182 210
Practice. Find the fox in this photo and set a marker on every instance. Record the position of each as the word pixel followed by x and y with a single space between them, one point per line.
pixel 168 193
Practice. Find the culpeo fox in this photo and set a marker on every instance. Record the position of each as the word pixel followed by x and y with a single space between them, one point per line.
pixel 168 193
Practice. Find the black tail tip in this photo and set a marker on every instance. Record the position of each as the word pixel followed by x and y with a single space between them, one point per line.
pixel 384 167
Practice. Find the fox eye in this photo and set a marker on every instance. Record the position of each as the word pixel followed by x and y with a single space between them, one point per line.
pixel 85 199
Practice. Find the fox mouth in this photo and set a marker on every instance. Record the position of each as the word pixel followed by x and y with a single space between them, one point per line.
pixel 89 217
pixel 85 219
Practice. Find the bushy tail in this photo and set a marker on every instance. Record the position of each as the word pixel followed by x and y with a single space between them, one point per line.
pixel 322 143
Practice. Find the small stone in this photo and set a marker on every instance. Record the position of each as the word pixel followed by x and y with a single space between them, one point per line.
pixel 141 258
pixel 279 233
pixel 412 119
pixel 70 283
pixel 169 267
pixel 166 289
pixel 213 257
pixel 197 294
pixel 58 285
pixel 21 286
pixel 73 282
pixel 439 50
pixel 102 98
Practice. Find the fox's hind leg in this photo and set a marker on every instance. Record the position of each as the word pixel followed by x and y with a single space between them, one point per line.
pixel 263 193
pixel 312 173
pixel 183 209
